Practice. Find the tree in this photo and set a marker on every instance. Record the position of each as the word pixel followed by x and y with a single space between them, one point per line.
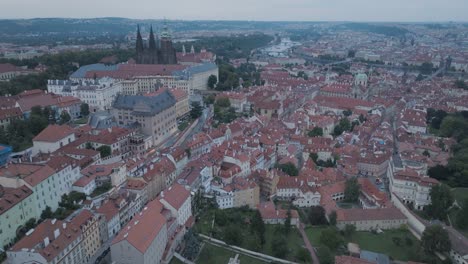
pixel 258 226
pixel 303 255
pixel 325 255
pixel 46 213
pixel 316 132
pixel 441 201
pixel 221 218
pixel 196 110
pixel 362 118
pixel 331 238
pixel 461 84
pixel 314 157
pixel 426 68
pixel 434 117
pixel 84 109
pixel 287 222
pixel 279 246
pixel 426 153
pixel 289 169
pixel 435 239
pixel 212 80
pixel 209 100
pixel 347 112
pixel 343 125
pixel 332 218
pixel 352 189
pixel 438 172
pixel 351 53
pixel 462 216
pixel 105 151
pixel 316 215
pixel 192 245
pixel 64 117
pixel 349 230
pixel 396 241
pixel 233 235
pixel 223 102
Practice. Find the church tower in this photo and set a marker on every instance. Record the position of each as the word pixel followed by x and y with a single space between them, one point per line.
pixel 153 49
pixel 139 47
pixel 167 52
pixel 157 52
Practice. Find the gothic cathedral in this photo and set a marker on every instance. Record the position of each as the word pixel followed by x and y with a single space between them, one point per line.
pixel 157 52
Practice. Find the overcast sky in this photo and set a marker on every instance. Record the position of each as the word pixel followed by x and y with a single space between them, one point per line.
pixel 270 10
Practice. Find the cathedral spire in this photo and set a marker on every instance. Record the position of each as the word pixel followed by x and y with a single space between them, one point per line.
pixel 152 41
pixel 139 41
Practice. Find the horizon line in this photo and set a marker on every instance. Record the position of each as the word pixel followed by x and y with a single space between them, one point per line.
pixel 250 20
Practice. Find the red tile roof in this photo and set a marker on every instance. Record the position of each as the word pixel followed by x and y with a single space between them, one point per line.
pixel 9 197
pixel 68 233
pixel 268 211
pixel 144 227
pixel 175 195
pixel 32 174
pixel 54 133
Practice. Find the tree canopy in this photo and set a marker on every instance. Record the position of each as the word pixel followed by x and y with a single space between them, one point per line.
pixel 343 125
pixel 212 80
pixel 196 110
pixel 352 189
pixel 105 151
pixel 316 132
pixel 288 168
pixel 331 238
pixel 435 239
pixel 441 201
pixel 316 215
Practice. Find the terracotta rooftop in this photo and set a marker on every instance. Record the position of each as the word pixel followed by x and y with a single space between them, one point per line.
pixel 175 195
pixel 54 133
pixel 9 197
pixel 143 229
pixel 67 234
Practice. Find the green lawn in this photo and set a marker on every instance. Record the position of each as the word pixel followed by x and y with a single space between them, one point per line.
pixel 453 217
pixel 294 239
pixel 381 243
pixel 249 240
pixel 175 260
pixel 215 254
pixel 460 194
pixel 313 233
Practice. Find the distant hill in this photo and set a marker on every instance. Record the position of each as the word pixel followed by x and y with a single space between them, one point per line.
pixel 388 30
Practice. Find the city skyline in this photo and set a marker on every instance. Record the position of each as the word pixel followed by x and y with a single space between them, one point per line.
pixel 278 10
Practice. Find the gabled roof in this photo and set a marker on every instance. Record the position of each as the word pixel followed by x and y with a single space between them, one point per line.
pixel 175 195
pixel 54 133
pixel 144 227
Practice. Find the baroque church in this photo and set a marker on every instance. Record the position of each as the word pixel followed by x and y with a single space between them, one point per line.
pixel 157 52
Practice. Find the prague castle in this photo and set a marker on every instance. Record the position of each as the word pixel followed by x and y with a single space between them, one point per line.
pixel 157 52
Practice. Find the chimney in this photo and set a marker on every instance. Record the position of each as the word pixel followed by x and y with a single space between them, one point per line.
pixel 56 233
pixel 46 241
pixel 162 194
pixel 64 225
